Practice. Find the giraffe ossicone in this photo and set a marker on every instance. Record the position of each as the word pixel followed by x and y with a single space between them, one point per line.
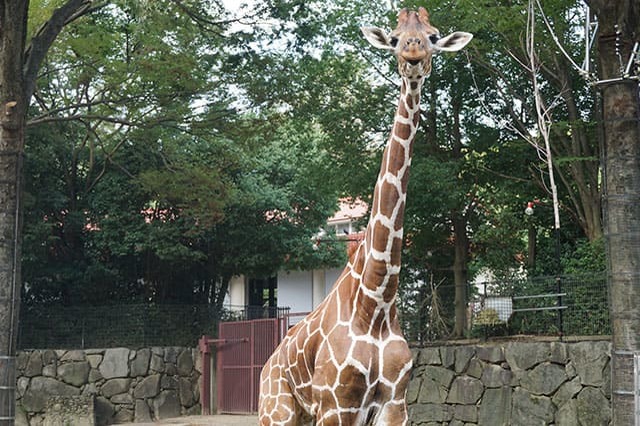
pixel 347 362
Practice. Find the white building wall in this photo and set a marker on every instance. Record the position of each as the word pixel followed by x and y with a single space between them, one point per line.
pixel 237 292
pixel 319 285
pixel 295 290
pixel 331 276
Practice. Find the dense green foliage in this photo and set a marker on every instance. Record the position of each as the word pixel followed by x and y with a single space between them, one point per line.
pixel 171 148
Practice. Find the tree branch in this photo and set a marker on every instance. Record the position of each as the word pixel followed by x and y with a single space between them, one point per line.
pixel 46 35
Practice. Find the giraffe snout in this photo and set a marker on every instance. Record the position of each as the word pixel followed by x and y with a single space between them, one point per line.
pixel 413 50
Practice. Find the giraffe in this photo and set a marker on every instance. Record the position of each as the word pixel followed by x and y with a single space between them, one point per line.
pixel 347 362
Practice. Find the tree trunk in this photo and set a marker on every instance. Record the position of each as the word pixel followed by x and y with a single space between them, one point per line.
pixel 18 73
pixel 13 104
pixel 621 131
pixel 460 275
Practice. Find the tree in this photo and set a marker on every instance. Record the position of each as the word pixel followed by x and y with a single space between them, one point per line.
pixel 19 66
pixel 22 54
pixel 125 83
pixel 162 201
pixel 618 32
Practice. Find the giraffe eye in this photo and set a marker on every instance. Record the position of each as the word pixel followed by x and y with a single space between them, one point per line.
pixel 394 41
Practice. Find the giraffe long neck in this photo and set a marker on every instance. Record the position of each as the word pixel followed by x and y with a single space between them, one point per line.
pixel 384 235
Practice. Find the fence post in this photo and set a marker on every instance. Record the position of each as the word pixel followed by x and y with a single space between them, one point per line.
pixel 205 385
pixel 559 291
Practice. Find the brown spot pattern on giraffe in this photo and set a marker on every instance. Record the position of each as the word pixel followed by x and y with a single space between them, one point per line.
pixel 347 363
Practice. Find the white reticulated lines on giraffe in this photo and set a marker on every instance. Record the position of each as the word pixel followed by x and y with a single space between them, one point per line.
pixel 347 362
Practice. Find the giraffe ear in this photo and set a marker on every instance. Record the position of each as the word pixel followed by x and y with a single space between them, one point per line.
pixel 453 42
pixel 377 37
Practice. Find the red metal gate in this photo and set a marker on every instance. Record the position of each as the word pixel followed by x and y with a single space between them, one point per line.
pixel 243 349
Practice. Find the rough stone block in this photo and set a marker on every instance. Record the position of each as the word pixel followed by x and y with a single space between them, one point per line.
pixel 494 376
pixel 493 354
pixel 463 355
pixel 104 411
pixel 157 363
pixel 466 413
pixel 185 390
pixel 430 356
pixel 566 391
pixel 590 360
pixel 559 352
pixel 21 416
pixel 94 360
pixel 431 413
pixel 148 388
pixel 168 382
pixel 465 390
pixel 21 362
pixel 171 355
pixel 435 384
pixel 115 363
pixel 475 368
pixel 50 370
pixel 49 357
pixel 166 405
pixel 448 356
pixel 114 387
pixel 567 414
pixel 593 407
pixel 523 356
pixel 544 379
pixel 529 410
pixel 142 412
pixel 412 390
pixel 140 364
pixel 74 373
pixel 495 407
pixel 184 362
pixel 76 355
pixel 95 376
pixel 34 364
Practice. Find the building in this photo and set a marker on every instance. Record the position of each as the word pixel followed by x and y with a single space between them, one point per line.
pixel 299 290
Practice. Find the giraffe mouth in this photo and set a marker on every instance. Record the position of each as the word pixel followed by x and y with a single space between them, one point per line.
pixel 414 62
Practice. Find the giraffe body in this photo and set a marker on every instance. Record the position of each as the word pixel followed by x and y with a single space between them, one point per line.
pixel 347 363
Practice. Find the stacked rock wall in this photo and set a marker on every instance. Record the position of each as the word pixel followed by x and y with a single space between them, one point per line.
pixel 124 385
pixel 516 384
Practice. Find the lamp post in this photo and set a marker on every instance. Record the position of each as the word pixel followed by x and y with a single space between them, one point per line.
pixel 529 211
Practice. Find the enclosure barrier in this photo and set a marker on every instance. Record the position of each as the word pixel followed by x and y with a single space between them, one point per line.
pixel 546 306
pixel 7 389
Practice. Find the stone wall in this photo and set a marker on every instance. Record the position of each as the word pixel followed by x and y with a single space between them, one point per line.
pixel 123 385
pixel 515 383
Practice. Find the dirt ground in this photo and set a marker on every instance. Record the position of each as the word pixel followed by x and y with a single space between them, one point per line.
pixel 219 420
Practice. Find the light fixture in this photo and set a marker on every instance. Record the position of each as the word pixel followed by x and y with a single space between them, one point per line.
pixel 529 210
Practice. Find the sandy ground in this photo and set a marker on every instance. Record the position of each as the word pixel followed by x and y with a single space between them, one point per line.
pixel 219 420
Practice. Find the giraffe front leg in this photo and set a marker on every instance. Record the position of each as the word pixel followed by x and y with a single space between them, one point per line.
pixel 278 410
pixel 277 405
pixel 393 413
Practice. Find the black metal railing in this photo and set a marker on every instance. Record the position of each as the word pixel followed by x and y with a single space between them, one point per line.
pixel 549 306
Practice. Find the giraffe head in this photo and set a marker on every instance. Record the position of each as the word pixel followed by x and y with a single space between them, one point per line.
pixel 415 41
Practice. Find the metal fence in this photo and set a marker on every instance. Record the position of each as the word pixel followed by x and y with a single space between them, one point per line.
pixel 131 326
pixel 543 306
pixel 549 306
